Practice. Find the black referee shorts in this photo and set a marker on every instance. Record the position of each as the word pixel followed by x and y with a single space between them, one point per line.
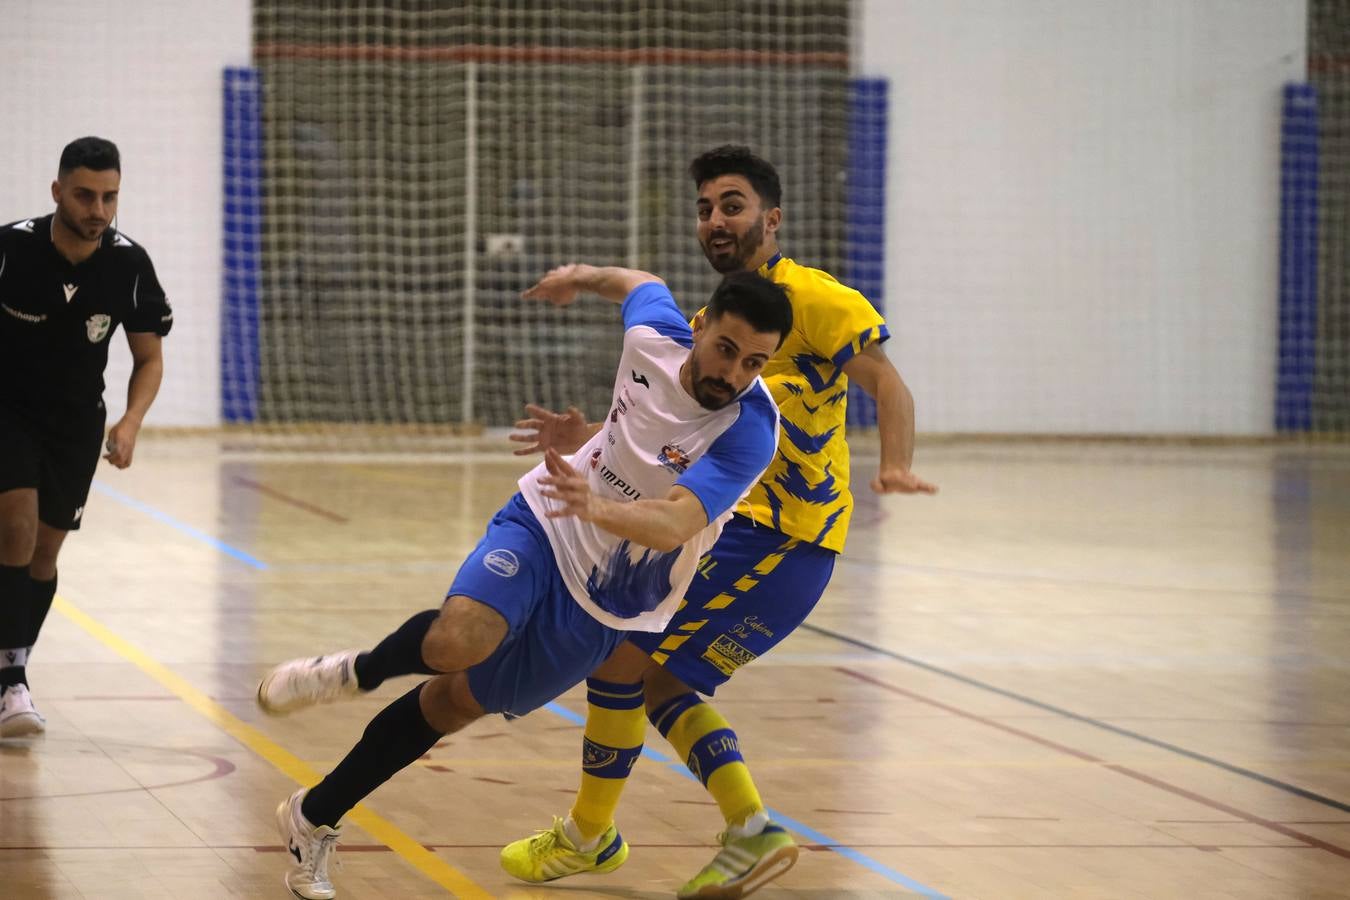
pixel 58 459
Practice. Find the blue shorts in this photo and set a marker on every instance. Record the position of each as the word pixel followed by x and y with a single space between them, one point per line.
pixel 752 589
pixel 551 642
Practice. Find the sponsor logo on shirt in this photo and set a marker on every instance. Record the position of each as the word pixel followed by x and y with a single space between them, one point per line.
pixel 612 479
pixel 501 562
pixel 23 316
pixel 673 457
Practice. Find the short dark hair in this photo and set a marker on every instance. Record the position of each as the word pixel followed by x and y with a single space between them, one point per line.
pixel 735 159
pixel 756 299
pixel 96 153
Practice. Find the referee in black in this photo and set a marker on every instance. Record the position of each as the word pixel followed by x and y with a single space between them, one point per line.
pixel 67 280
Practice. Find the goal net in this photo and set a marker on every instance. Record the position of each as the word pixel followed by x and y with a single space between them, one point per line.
pixel 419 164
pixel 1329 346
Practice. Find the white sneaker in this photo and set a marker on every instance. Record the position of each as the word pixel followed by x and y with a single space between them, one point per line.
pixel 298 683
pixel 310 846
pixel 18 715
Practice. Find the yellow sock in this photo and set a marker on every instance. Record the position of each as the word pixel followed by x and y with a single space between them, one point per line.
pixel 713 753
pixel 615 726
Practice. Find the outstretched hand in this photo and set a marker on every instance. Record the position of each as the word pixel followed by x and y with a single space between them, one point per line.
pixel 568 487
pixel 546 429
pixel 558 287
pixel 901 481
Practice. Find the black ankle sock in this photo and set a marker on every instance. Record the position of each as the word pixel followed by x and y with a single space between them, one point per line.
pixel 398 654
pixel 11 675
pixel 392 741
pixel 14 607
pixel 40 594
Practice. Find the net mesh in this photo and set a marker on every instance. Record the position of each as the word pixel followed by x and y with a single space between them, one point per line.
pixel 421 165
pixel 1329 74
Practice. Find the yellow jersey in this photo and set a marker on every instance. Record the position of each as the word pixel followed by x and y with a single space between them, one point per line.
pixel 804 492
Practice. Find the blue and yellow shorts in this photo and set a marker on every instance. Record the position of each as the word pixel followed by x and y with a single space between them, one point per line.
pixel 752 589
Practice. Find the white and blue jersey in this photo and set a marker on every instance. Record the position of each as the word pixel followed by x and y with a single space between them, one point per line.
pixel 654 437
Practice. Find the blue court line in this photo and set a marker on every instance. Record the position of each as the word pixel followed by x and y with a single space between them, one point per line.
pixel 1086 720
pixel 187 529
pixel 805 831
pixel 678 767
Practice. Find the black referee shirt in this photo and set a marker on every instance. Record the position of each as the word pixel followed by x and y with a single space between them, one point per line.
pixel 57 319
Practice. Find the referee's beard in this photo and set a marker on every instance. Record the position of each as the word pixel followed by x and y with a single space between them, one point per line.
pixel 86 231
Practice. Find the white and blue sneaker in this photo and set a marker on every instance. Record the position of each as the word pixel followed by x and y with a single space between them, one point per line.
pixel 310 846
pixel 298 683
pixel 18 716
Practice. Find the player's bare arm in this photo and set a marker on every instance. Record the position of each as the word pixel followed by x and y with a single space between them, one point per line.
pixel 660 524
pixel 147 370
pixel 562 286
pixel 874 373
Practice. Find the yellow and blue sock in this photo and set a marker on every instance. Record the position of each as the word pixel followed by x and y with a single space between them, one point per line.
pixel 712 752
pixel 615 727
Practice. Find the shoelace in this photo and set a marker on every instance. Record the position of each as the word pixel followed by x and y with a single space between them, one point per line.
pixel 543 839
pixel 327 848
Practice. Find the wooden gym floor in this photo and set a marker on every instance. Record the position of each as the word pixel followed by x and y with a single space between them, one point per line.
pixel 1110 670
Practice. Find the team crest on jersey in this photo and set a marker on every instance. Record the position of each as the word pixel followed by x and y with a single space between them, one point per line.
pixel 674 458
pixel 727 655
pixel 595 457
pixel 96 327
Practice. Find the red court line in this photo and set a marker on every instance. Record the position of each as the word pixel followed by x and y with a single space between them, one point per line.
pixel 222 767
pixel 380 848
pixel 660 56
pixel 1122 770
pixel 293 501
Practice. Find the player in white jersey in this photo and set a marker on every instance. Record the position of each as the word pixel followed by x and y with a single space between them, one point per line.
pixel 592 546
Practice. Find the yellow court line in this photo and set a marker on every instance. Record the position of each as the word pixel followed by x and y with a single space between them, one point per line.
pixel 384 831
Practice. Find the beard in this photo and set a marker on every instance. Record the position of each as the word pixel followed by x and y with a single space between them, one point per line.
pixel 711 393
pixel 735 257
pixel 87 231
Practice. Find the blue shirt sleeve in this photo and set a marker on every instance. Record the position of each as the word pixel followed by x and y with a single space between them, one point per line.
pixel 738 457
pixel 651 304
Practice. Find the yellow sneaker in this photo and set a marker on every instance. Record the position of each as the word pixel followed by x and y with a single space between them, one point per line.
pixel 743 865
pixel 550 855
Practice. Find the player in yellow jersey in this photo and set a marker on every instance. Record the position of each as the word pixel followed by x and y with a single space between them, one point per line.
pixel 766 572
